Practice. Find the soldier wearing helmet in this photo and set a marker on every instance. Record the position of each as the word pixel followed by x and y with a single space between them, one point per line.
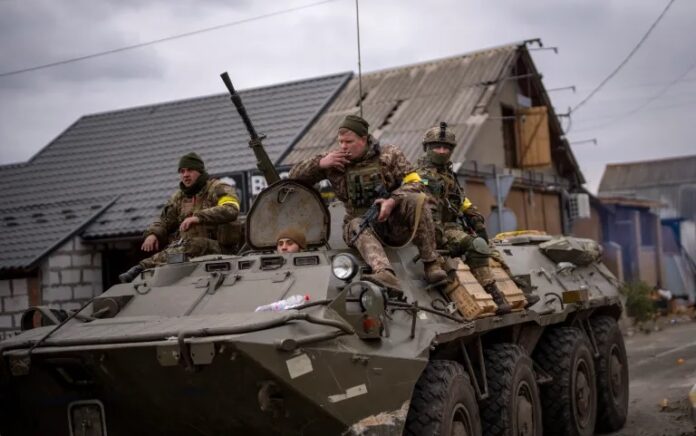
pixel 357 169
pixel 449 207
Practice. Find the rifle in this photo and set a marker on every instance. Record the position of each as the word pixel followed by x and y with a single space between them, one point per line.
pixel 371 215
pixel 263 162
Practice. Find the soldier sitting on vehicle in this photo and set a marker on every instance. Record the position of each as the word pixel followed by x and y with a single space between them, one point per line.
pixel 291 240
pixel 357 170
pixel 196 216
pixel 453 213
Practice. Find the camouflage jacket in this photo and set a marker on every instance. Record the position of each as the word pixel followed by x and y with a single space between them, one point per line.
pixel 387 164
pixel 446 198
pixel 216 204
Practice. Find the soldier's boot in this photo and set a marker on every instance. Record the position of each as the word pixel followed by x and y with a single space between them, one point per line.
pixel 387 280
pixel 498 298
pixel 532 299
pixel 131 274
pixel 434 272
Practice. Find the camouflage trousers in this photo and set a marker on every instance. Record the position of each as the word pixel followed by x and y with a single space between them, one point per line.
pixel 191 247
pixel 395 231
pixel 477 256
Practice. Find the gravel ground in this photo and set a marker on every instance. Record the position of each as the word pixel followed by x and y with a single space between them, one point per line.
pixel 662 370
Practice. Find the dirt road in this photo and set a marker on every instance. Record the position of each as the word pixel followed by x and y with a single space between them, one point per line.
pixel 657 373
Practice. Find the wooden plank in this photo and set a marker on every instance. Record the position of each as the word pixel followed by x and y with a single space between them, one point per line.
pixel 534 136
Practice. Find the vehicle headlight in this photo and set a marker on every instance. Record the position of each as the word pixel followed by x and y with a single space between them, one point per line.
pixel 372 300
pixel 344 266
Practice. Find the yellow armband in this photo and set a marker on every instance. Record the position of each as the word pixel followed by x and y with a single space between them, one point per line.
pixel 411 178
pixel 466 204
pixel 226 199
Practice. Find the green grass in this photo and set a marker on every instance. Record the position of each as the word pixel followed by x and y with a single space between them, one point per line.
pixel 638 302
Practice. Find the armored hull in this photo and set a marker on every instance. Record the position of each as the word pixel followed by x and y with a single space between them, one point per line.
pixel 181 350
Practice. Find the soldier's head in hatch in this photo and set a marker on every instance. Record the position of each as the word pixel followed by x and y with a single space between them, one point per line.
pixel 290 240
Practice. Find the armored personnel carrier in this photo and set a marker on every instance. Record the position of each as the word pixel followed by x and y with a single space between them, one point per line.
pixel 182 351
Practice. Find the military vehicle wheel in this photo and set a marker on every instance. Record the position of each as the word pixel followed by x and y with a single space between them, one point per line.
pixel 570 400
pixel 612 374
pixel 443 403
pixel 513 406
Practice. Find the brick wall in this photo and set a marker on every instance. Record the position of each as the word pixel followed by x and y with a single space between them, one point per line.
pixel 71 275
pixel 14 298
pixel 66 279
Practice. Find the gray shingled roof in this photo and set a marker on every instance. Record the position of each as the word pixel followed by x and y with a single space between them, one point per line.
pixel 632 175
pixel 401 103
pixel 132 155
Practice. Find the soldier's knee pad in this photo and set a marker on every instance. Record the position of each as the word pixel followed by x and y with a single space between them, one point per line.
pixel 480 246
pixel 478 253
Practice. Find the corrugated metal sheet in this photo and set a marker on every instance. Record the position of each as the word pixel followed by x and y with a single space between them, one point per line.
pixel 134 153
pixel 628 176
pixel 400 104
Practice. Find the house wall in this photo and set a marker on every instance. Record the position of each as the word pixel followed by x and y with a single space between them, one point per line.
pixel 647 266
pixel 612 258
pixel 71 275
pixel 16 295
pixel 66 279
pixel 589 227
pixel 489 145
pixel 687 229
pixel 534 210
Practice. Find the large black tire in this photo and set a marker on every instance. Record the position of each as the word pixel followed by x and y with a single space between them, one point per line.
pixel 612 375
pixel 443 403
pixel 513 406
pixel 570 400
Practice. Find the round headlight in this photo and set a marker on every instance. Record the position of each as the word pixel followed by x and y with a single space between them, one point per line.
pixel 344 266
pixel 372 300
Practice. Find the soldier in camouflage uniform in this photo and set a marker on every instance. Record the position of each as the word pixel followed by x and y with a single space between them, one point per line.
pixel 355 170
pixel 195 220
pixel 454 213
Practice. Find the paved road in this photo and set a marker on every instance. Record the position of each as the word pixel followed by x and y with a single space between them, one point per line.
pixel 655 374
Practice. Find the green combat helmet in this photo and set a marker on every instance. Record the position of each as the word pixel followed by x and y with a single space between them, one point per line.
pixel 438 136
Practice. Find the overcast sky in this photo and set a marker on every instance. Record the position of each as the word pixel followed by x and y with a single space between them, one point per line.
pixel 592 36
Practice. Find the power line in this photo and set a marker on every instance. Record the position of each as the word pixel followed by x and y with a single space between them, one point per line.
pixel 651 99
pixel 621 65
pixel 160 40
pixel 662 108
pixel 660 93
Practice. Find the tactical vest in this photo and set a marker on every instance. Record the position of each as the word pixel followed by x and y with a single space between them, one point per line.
pixel 443 187
pixel 361 181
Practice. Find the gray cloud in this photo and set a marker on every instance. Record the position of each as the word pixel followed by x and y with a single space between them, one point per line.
pixel 592 35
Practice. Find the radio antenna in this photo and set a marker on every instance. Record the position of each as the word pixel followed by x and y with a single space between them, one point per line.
pixel 357 19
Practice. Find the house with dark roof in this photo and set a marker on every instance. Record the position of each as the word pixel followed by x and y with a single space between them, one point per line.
pixel 668 188
pixel 77 209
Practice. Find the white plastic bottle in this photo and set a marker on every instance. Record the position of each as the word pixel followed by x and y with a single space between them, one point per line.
pixel 288 303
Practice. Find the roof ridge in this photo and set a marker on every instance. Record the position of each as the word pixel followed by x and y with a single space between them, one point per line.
pixel 447 58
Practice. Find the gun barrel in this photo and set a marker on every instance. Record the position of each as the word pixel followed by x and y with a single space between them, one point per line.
pixel 237 101
pixel 263 162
